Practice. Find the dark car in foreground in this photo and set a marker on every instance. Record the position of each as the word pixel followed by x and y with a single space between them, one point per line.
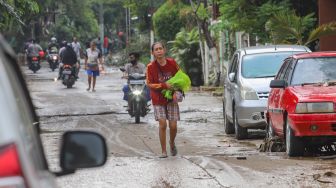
pixel 22 160
pixel 302 103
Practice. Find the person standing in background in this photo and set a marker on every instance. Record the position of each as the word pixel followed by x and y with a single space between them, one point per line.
pixel 106 45
pixel 98 45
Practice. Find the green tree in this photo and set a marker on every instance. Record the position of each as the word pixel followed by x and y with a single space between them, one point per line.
pixel 14 16
pixel 250 16
pixel 185 49
pixel 167 20
pixel 287 27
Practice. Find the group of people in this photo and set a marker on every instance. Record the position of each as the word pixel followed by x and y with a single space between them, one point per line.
pixel 157 73
pixel 69 54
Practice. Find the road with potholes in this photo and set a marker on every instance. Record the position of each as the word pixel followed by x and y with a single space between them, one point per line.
pixel 207 156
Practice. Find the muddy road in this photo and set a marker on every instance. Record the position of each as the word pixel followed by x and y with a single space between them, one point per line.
pixel 207 157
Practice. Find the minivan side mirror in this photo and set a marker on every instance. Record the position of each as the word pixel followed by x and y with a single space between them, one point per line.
pixel 278 84
pixel 82 149
pixel 232 76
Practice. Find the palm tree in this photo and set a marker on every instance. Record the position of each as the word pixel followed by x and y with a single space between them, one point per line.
pixel 185 50
pixel 286 27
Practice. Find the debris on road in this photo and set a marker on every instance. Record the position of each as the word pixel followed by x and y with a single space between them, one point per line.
pixel 241 158
pixel 272 145
pixel 327 176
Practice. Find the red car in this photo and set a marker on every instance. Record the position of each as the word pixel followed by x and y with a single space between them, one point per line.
pixel 301 106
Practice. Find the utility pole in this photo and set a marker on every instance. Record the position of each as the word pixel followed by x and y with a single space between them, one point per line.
pixel 101 23
pixel 150 15
pixel 128 24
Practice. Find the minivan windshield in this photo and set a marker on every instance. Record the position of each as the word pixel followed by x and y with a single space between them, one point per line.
pixel 263 64
pixel 314 70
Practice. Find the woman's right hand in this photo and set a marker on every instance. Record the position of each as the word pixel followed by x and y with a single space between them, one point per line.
pixel 169 86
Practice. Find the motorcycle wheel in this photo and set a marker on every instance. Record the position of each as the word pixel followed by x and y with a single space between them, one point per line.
pixel 69 85
pixel 137 113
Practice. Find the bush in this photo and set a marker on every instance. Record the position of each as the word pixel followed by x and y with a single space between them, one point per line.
pixel 185 50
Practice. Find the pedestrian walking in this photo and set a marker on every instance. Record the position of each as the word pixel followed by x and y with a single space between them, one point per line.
pixel 93 58
pixel 105 45
pixel 158 72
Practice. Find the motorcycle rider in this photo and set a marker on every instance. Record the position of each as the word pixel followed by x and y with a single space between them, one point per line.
pixel 68 57
pixel 53 46
pixel 134 66
pixel 52 49
pixel 33 51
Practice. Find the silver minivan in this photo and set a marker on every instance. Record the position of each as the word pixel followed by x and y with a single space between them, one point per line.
pixel 246 86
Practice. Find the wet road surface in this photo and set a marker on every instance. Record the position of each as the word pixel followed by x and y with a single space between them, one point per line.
pixel 207 157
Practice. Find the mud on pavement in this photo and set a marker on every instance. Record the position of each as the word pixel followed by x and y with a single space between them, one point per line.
pixel 207 156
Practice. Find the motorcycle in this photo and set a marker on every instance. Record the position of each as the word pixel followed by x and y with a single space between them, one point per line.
pixel 35 64
pixel 137 98
pixel 68 77
pixel 53 61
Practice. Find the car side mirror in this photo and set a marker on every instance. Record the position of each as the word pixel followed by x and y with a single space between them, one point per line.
pixel 82 149
pixel 232 76
pixel 278 84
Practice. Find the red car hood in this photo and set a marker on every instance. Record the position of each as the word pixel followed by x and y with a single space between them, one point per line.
pixel 314 93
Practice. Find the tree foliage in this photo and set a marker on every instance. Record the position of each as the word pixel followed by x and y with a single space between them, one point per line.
pixel 167 19
pixel 14 16
pixel 287 27
pixel 185 49
pixel 250 16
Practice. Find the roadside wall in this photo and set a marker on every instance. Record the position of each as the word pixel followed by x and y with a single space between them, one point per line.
pixel 327 14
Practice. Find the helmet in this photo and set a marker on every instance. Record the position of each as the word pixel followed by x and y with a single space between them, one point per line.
pixel 64 43
pixel 53 39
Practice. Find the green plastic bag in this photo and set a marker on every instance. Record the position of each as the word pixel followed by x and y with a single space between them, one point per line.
pixel 180 81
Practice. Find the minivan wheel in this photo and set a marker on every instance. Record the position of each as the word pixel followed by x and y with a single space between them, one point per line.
pixel 294 145
pixel 228 126
pixel 240 132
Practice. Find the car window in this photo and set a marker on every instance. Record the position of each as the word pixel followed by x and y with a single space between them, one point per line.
pixel 234 61
pixel 263 64
pixel 26 123
pixel 288 69
pixel 282 70
pixel 314 70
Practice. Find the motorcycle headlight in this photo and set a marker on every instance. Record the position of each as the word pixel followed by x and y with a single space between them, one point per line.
pixel 54 57
pixel 249 94
pixel 137 92
pixel 314 107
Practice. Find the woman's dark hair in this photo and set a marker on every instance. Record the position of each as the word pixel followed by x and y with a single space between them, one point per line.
pixel 155 43
pixel 135 54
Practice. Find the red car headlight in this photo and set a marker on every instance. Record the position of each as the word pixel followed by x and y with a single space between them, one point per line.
pixel 314 107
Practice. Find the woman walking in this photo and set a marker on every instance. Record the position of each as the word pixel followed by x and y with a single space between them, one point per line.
pixel 93 58
pixel 158 72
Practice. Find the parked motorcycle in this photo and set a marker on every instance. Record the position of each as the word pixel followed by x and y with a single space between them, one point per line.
pixel 68 77
pixel 137 98
pixel 53 61
pixel 35 64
